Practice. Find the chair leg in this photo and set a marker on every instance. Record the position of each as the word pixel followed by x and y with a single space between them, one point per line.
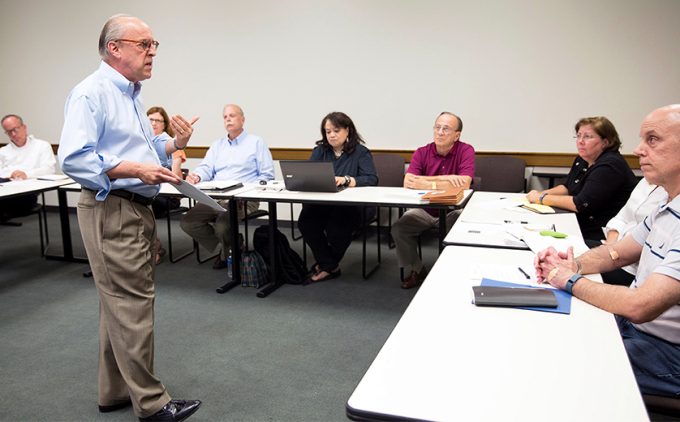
pixel 171 256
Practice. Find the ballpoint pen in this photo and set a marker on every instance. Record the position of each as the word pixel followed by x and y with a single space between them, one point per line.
pixel 524 272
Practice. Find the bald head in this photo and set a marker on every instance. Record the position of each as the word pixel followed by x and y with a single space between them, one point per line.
pixel 113 29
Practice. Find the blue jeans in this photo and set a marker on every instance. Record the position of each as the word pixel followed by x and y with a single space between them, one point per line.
pixel 655 362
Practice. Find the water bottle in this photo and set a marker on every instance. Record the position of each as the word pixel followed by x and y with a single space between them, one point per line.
pixel 229 266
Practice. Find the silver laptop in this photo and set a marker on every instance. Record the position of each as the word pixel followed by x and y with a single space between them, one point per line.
pixel 309 176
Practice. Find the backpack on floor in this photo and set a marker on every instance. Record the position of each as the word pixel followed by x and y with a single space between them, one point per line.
pixel 289 265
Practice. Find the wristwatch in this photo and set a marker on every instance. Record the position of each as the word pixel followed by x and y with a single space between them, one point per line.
pixel 570 283
pixel 540 198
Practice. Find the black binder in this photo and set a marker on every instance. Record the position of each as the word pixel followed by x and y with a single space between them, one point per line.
pixel 514 297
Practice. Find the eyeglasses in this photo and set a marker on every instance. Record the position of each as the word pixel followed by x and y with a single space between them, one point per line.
pixel 156 120
pixel 585 137
pixel 144 44
pixel 444 129
pixel 12 131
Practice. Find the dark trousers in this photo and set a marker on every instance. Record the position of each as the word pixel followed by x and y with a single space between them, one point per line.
pixel 328 231
pixel 17 206
pixel 655 362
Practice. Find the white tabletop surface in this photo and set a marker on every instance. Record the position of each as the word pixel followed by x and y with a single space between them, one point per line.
pixel 374 195
pixel 17 187
pixel 450 360
pixel 489 218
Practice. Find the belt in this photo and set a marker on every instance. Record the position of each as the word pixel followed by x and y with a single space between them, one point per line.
pixel 131 196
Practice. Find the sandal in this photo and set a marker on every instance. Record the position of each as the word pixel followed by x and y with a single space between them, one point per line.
pixel 329 276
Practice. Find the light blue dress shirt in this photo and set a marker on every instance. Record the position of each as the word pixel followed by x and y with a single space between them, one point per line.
pixel 105 123
pixel 245 159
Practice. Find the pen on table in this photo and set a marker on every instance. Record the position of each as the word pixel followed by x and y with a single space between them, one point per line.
pixel 515 222
pixel 524 272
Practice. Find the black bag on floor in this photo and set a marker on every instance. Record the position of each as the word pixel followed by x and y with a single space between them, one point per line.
pixel 289 265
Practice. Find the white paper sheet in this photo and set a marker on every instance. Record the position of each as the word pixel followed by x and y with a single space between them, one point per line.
pixel 194 193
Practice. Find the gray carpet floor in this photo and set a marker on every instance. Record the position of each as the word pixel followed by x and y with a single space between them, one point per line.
pixel 296 355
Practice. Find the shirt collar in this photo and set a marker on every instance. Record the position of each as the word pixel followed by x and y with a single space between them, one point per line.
pixel 120 81
pixel 433 150
pixel 674 205
pixel 238 139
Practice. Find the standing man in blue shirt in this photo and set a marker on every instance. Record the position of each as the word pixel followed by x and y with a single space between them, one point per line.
pixel 107 146
pixel 239 156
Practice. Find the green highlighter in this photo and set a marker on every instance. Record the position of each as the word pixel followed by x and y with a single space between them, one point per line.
pixel 552 233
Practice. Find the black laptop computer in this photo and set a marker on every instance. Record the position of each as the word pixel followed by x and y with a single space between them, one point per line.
pixel 309 176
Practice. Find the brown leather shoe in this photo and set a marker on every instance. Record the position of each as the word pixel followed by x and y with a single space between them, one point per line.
pixel 414 279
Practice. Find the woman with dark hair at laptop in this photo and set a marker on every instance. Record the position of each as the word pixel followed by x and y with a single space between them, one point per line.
pixel 327 229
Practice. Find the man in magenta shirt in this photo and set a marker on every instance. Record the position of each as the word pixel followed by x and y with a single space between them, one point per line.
pixel 441 164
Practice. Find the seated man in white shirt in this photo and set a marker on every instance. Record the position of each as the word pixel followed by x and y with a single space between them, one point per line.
pixel 238 156
pixel 24 157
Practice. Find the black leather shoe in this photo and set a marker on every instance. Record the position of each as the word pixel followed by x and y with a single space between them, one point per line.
pixel 114 407
pixel 175 410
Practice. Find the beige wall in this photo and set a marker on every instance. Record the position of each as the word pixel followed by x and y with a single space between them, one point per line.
pixel 519 72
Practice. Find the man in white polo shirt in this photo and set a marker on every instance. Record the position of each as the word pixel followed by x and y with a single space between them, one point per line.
pixel 648 313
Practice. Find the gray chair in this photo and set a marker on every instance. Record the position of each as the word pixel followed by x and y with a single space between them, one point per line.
pixel 500 173
pixel 390 171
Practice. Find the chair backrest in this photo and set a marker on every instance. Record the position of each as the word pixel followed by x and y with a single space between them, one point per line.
pixel 501 173
pixel 390 169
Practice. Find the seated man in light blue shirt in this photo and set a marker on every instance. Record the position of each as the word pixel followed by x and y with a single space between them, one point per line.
pixel 238 156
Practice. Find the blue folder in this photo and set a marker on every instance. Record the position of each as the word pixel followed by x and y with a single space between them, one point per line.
pixel 563 298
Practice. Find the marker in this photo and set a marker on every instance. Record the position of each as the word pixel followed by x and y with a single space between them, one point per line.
pixel 524 272
pixel 515 222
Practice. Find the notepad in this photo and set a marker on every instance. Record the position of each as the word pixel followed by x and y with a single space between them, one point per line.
pixel 541 209
pixel 219 185
pixel 53 177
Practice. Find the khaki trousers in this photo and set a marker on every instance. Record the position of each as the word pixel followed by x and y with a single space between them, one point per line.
pixel 211 228
pixel 118 236
pixel 405 233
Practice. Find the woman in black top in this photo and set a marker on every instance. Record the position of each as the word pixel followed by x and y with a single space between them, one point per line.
pixel 599 182
pixel 328 229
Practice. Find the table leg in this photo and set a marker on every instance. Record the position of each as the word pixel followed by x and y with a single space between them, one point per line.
pixel 273 280
pixel 235 249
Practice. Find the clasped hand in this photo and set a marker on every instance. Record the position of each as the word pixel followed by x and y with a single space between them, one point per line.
pixel 555 267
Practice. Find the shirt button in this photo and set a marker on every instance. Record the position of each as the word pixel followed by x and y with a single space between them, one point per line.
pixel 585 205
pixel 576 181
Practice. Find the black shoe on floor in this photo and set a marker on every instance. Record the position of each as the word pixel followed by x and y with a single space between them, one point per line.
pixel 114 407
pixel 220 263
pixel 175 410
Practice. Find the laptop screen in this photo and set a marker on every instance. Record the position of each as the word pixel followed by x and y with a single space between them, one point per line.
pixel 309 176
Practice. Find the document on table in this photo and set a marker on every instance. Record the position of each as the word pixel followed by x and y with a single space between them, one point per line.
pixel 53 177
pixel 194 193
